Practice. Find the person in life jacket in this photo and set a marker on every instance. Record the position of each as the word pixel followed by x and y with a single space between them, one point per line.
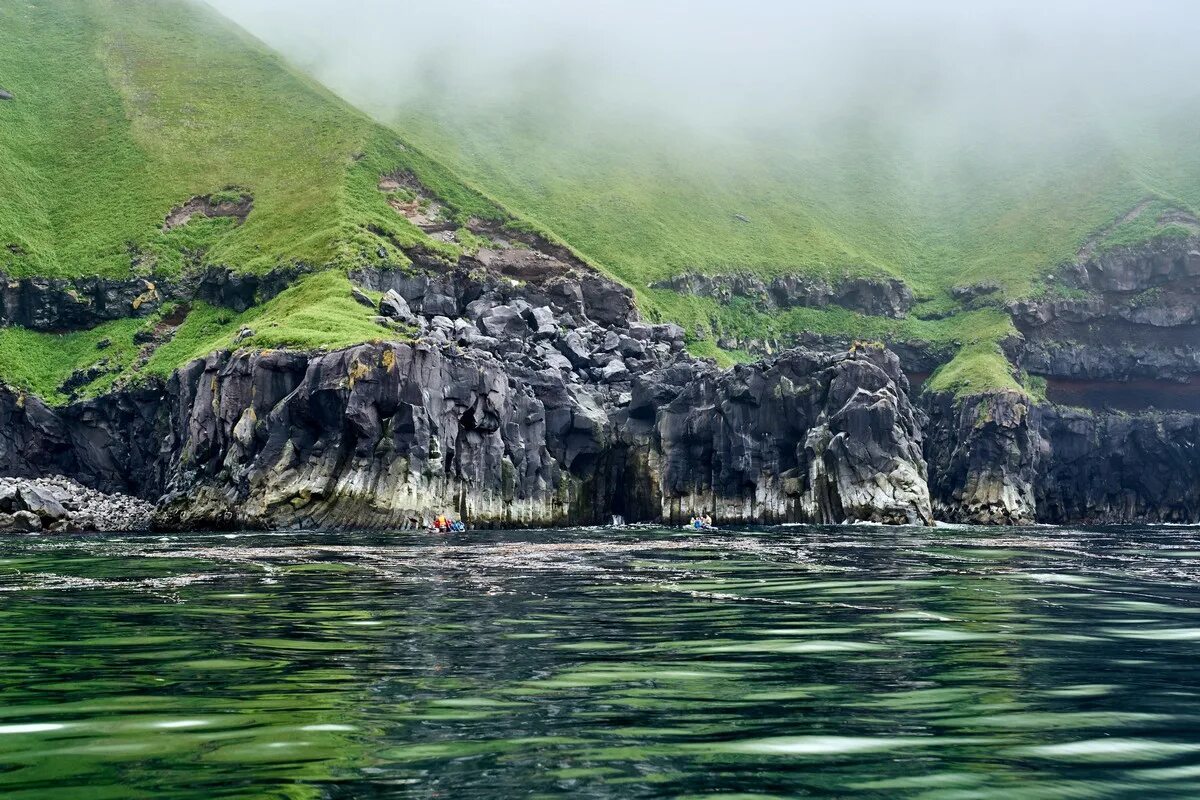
pixel 442 523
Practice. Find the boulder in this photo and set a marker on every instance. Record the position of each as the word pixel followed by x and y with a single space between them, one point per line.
pixel 614 371
pixel 436 304
pixel 41 501
pixel 542 321
pixel 26 521
pixel 504 322
pixel 394 306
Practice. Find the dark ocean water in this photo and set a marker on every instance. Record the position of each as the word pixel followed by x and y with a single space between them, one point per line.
pixel 860 662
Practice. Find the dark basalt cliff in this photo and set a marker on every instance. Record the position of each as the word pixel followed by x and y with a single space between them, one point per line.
pixel 1116 438
pixel 519 388
pixel 886 297
pixel 546 402
pixel 1001 459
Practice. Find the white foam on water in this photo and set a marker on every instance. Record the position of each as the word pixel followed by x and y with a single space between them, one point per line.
pixel 942 635
pixel 833 745
pixel 1110 750
pixel 1162 634
pixel 328 726
pixel 32 727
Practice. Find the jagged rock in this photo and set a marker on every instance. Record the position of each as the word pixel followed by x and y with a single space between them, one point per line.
pixel 605 302
pixel 630 347
pixel 974 290
pixel 40 502
pixel 437 304
pixel 361 297
pixel 808 437
pixel 1000 459
pixel 239 291
pixel 504 322
pixel 394 306
pixel 671 334
pixel 640 331
pixel 983 458
pixel 480 306
pixel 542 321
pixel 573 348
pixel 104 343
pixel 614 371
pixel 243 334
pixel 26 521
pixel 1117 468
pixel 1126 313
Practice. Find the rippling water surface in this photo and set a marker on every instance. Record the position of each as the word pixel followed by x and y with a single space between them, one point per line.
pixel 790 662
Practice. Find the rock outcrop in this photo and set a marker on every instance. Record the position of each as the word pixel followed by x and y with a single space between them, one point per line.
pixel 1002 459
pixel 387 434
pixel 888 297
pixel 1130 312
pixel 60 304
pixel 982 454
pixel 1116 467
pixel 1118 346
pixel 808 436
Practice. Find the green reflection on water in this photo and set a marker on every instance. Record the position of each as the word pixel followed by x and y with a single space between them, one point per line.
pixel 794 662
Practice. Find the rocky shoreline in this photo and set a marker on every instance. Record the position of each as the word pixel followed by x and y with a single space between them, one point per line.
pixel 518 388
pixel 57 504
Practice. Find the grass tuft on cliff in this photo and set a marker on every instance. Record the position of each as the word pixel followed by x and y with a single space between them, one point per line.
pixel 317 313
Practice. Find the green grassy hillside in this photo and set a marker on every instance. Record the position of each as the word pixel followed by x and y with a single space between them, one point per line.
pixel 847 201
pixel 125 110
pixel 646 211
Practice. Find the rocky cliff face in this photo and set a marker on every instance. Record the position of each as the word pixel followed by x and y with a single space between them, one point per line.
pixel 543 402
pixel 1131 312
pixel 1001 459
pixel 523 389
pixel 805 437
pixel 983 456
pixel 1119 349
pixel 59 304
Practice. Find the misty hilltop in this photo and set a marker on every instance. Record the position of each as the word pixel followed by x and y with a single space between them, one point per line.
pixel 944 144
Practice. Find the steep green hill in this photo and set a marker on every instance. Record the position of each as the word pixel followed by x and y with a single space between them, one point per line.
pixel 124 113
pixel 646 203
pixel 126 110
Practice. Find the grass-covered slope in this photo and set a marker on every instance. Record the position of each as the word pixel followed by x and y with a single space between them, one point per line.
pixel 127 109
pixel 647 204
pixel 850 200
